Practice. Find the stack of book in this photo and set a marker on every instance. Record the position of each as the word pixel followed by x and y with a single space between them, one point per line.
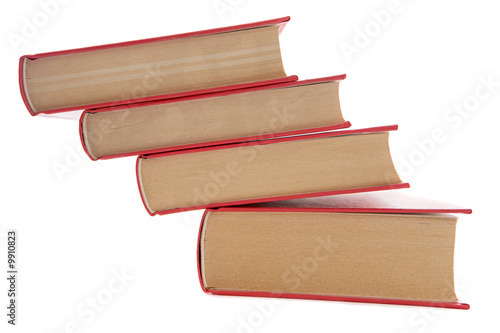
pixel 295 201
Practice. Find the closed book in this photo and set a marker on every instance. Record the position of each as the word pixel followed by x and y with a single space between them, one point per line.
pixel 309 165
pixel 212 119
pixel 379 247
pixel 156 68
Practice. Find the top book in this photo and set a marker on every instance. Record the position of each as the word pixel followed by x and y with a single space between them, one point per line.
pixel 158 68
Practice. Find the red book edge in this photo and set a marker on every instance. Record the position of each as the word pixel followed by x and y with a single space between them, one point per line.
pixel 262 85
pixel 449 305
pixel 264 142
pixel 280 21
pixel 349 210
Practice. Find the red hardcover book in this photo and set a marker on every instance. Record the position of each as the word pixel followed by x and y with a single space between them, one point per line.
pixel 268 170
pixel 261 112
pixel 228 233
pixel 155 68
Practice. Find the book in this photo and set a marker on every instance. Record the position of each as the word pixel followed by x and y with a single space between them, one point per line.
pixel 156 68
pixel 309 165
pixel 377 247
pixel 212 119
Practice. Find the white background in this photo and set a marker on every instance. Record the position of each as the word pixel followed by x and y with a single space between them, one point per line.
pixel 78 230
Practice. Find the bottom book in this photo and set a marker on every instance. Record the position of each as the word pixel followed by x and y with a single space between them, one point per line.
pixel 380 247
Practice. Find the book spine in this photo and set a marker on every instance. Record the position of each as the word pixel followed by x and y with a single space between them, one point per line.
pixel 198 250
pixel 139 185
pixel 83 140
pixel 22 88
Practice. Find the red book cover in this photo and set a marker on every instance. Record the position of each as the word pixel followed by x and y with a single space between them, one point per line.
pixel 279 21
pixel 224 92
pixel 263 142
pixel 396 202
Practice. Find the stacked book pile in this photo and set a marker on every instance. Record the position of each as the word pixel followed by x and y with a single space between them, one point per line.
pixel 296 203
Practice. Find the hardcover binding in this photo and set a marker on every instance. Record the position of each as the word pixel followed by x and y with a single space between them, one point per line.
pixel 263 142
pixel 263 85
pixel 446 208
pixel 390 202
pixel 449 305
pixel 279 21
